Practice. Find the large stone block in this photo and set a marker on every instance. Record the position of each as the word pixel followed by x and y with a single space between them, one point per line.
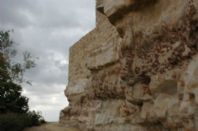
pixel 137 70
pixel 106 54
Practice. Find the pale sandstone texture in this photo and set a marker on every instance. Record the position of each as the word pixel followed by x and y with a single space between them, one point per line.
pixel 137 70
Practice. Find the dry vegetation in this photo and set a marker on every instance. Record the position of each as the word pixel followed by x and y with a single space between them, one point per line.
pixel 52 127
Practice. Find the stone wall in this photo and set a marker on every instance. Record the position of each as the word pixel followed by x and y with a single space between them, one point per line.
pixel 137 70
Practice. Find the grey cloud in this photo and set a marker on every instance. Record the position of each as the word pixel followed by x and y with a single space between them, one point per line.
pixel 47 29
pixel 44 104
pixel 46 13
pixel 14 13
pixel 40 89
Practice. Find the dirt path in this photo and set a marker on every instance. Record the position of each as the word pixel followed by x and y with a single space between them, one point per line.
pixel 52 127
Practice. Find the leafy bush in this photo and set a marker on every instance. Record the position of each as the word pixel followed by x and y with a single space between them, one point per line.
pixel 14 109
pixel 35 118
pixel 17 122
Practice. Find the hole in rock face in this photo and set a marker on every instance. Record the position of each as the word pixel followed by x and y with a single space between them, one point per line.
pixel 121 32
pixel 181 97
pixel 101 10
pixel 124 7
pixel 194 35
pixel 191 96
pixel 167 87
pixel 145 79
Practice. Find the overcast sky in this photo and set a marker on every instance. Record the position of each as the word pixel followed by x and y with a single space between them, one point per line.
pixel 47 28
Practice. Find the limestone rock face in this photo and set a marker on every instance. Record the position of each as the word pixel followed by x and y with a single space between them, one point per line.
pixel 137 70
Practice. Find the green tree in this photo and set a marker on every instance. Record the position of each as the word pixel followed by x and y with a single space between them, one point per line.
pixel 11 73
pixel 12 103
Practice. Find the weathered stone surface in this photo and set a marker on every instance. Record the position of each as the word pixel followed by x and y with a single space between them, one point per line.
pixel 137 70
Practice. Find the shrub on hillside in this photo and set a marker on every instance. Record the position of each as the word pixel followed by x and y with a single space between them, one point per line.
pixel 17 122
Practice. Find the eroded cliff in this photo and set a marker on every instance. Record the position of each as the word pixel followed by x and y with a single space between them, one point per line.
pixel 137 70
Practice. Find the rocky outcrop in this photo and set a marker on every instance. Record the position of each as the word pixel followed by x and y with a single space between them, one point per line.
pixel 137 70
